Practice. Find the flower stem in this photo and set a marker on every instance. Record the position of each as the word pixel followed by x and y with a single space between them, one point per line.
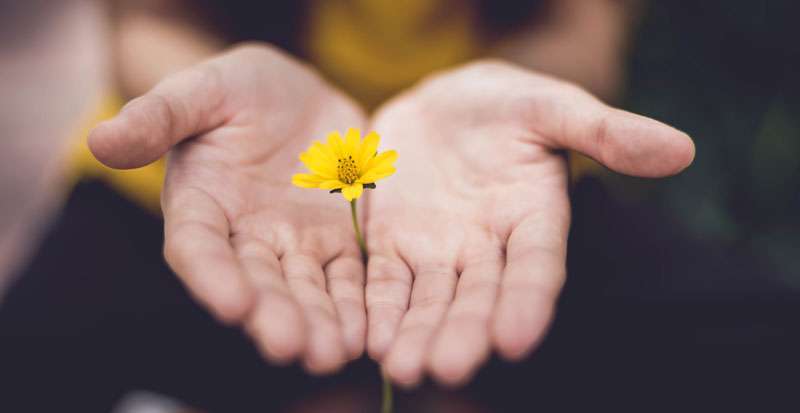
pixel 387 405
pixel 361 245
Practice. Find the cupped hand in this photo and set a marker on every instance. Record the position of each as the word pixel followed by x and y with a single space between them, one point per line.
pixel 468 240
pixel 257 251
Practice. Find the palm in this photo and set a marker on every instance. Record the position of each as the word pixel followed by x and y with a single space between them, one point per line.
pixel 468 241
pixel 280 260
pixel 284 239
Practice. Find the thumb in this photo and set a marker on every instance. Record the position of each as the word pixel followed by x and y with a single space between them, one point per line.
pixel 182 105
pixel 622 141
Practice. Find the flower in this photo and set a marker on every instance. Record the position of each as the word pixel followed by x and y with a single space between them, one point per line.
pixel 347 166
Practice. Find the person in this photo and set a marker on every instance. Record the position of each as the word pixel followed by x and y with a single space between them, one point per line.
pixel 467 243
pixel 36 134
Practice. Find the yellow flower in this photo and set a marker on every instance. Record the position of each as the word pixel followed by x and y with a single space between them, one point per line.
pixel 347 166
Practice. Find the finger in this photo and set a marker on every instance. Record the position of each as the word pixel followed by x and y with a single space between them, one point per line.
pixel 432 292
pixel 325 350
pixel 197 247
pixel 462 343
pixel 182 105
pixel 532 278
pixel 345 276
pixel 387 293
pixel 277 323
pixel 625 142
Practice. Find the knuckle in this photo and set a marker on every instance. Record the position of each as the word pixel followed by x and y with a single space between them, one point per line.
pixel 434 269
pixel 600 135
pixel 207 75
pixel 479 287
pixel 470 318
pixel 379 285
pixel 161 113
pixel 348 301
pixel 428 301
pixel 352 276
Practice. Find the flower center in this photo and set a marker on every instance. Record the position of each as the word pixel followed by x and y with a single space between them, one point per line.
pixel 348 172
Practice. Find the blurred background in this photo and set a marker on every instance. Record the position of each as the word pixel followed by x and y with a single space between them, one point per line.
pixel 681 293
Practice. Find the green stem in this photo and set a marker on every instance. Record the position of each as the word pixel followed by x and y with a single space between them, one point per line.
pixel 361 245
pixel 387 405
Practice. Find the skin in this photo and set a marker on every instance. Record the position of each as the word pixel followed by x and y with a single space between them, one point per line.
pixel 40 113
pixel 585 42
pixel 467 241
pixel 259 252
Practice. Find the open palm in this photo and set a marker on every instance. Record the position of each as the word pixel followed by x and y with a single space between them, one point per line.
pixel 280 260
pixel 468 241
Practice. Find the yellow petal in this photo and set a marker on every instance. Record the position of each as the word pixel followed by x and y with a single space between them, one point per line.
pixel 353 191
pixel 320 150
pixel 319 166
pixel 315 157
pixel 352 143
pixel 383 159
pixel 335 143
pixel 323 150
pixel 306 180
pixel 376 174
pixel 332 184
pixel 368 149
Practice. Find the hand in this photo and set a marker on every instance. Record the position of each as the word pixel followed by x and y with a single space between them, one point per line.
pixel 280 260
pixel 468 240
